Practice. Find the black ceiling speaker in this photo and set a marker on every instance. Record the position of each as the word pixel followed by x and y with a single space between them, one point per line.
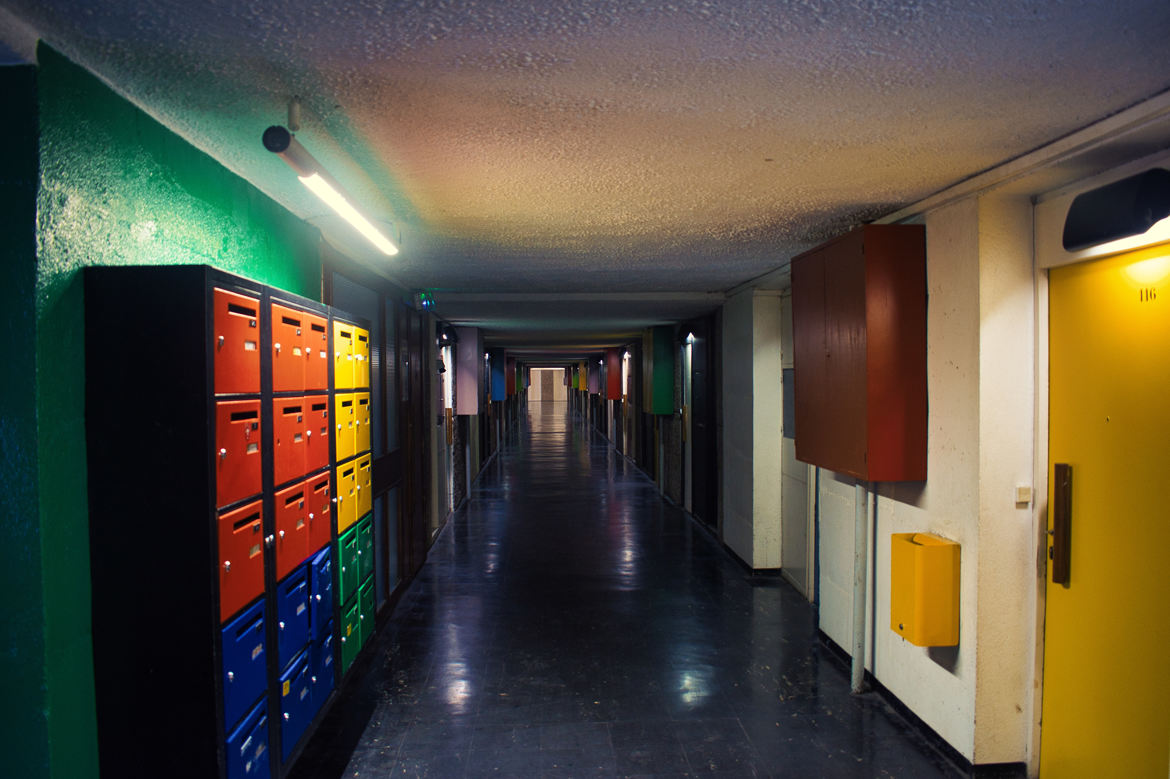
pixel 1118 210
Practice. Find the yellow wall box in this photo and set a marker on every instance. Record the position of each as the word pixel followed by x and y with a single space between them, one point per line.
pixel 924 592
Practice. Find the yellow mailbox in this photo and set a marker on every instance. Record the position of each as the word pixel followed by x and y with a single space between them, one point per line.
pixel 924 590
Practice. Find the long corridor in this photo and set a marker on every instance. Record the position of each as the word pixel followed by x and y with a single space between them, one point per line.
pixel 569 622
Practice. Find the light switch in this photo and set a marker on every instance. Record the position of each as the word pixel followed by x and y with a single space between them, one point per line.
pixel 1023 493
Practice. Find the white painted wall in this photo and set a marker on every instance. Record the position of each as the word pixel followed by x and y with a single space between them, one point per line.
pixel 794 515
pixel 469 381
pixel 560 391
pixel 736 489
pixel 768 424
pixel 1007 548
pixel 752 430
pixel 980 368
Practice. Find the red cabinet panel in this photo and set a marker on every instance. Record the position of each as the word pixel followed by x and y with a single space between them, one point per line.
pixel 241 557
pixel 236 341
pixel 859 357
pixel 237 450
pixel 613 374
pixel 292 527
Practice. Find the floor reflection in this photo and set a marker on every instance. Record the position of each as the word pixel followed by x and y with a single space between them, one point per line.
pixel 570 623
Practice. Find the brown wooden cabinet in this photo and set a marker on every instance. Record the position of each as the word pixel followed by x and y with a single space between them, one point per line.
pixel 859 333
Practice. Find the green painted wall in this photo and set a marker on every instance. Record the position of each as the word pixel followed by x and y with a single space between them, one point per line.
pixel 116 188
pixel 23 727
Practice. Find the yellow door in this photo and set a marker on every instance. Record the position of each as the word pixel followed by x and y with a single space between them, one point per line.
pixel 1107 633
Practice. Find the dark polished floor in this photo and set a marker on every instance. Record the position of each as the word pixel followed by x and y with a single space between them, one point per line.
pixel 569 622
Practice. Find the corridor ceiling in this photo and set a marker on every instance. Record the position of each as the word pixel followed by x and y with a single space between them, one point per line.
pixel 568 172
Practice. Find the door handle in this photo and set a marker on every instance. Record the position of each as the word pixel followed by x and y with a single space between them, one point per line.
pixel 1061 550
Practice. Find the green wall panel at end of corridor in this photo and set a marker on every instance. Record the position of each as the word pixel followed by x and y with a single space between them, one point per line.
pixel 116 188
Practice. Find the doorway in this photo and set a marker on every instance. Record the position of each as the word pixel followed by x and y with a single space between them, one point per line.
pixel 1106 631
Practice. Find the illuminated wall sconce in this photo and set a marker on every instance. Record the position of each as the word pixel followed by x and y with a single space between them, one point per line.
pixel 280 141
pixel 1124 209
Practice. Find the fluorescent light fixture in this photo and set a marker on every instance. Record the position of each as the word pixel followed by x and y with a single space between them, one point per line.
pixel 279 140
pixel 335 200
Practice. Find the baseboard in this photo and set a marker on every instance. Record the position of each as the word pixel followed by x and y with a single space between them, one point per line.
pixel 940 744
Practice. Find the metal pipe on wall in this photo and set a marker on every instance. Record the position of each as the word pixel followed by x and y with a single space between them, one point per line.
pixel 860 544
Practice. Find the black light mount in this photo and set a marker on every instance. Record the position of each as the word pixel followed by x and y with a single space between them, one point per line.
pixel 1122 209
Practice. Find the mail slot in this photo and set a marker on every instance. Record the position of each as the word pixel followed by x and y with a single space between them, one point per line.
pixel 349 575
pixel 320 513
pixel 290 438
pixel 292 615
pixel 293 505
pixel 316 432
pixel 363 494
pixel 361 422
pixel 366 610
pixel 296 704
pixel 244 663
pixel 247 746
pixel 351 634
pixel 361 358
pixel 288 349
pixel 365 549
pixel 236 341
pixel 320 594
pixel 344 417
pixel 924 589
pixel 316 353
pixel 241 557
pixel 342 355
pixel 237 450
pixel 321 667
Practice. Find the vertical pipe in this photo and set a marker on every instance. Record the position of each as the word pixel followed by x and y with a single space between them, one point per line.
pixel 860 539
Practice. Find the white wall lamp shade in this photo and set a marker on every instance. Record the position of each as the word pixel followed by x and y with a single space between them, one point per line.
pixel 280 141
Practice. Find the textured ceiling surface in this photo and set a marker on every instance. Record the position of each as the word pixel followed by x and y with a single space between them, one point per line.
pixel 621 146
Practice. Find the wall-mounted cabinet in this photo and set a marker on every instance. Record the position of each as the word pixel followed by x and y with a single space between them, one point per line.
pixel 212 458
pixel 658 350
pixel 859 332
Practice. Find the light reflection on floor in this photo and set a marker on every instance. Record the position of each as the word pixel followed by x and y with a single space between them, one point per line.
pixel 570 623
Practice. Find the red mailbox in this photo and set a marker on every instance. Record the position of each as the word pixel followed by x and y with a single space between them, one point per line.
pixel 288 349
pixel 316 347
pixel 320 515
pixel 289 439
pixel 293 505
pixel 241 557
pixel 316 432
pixel 236 341
pixel 237 450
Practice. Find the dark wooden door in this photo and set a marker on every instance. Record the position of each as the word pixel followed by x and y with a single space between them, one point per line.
pixel 413 533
